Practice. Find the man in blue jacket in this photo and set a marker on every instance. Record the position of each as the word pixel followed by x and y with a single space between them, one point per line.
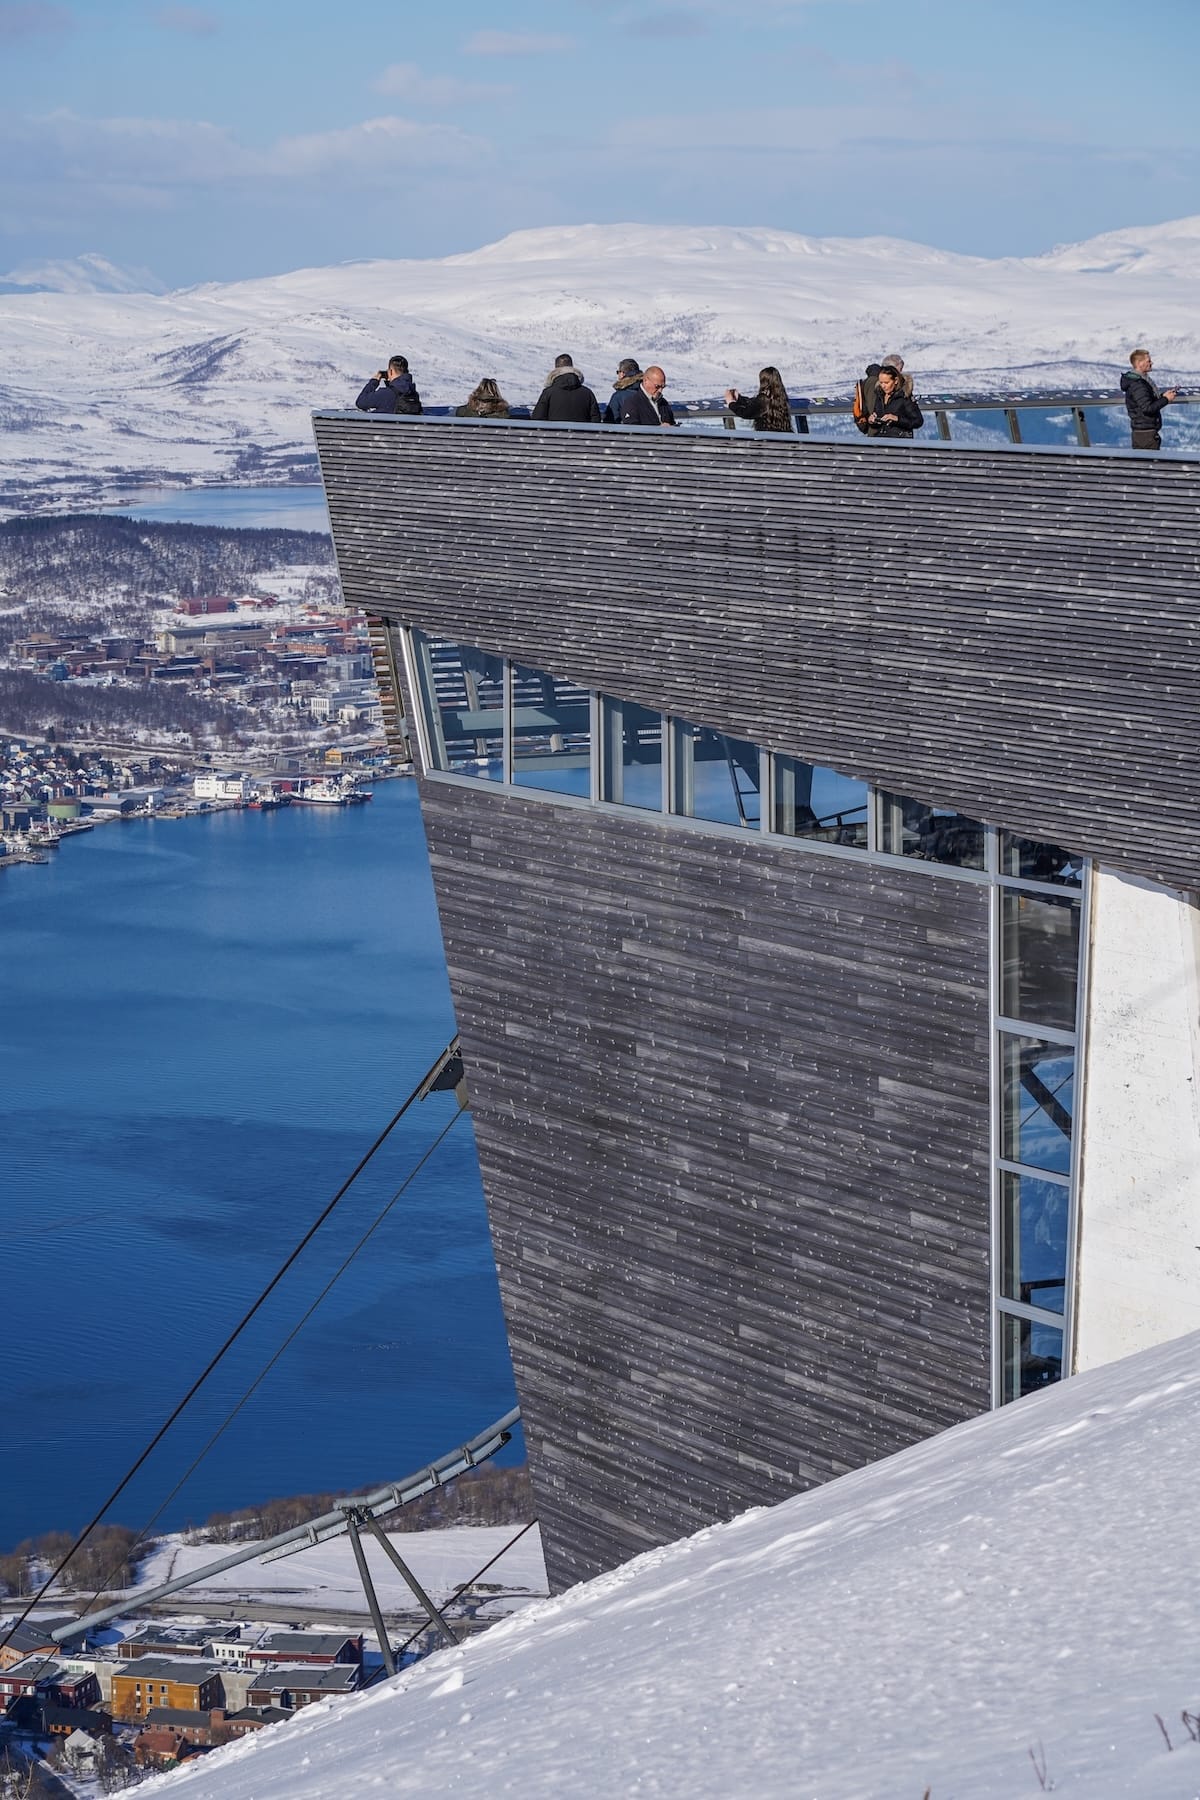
pixel 644 404
pixel 393 392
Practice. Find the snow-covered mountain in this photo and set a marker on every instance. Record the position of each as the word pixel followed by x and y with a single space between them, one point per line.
pixel 1004 1610
pixel 90 273
pixel 219 380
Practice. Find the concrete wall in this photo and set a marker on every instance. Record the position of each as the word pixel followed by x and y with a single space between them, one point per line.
pixel 1139 1252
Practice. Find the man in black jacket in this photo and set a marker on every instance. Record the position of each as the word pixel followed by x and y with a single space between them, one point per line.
pixel 644 404
pixel 565 396
pixel 395 392
pixel 1144 402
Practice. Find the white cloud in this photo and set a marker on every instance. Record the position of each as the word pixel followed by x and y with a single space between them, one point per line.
pixel 189 20
pixel 379 147
pixel 407 82
pixel 143 159
pixel 32 18
pixel 517 43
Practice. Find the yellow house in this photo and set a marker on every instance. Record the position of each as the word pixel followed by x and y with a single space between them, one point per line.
pixel 183 1682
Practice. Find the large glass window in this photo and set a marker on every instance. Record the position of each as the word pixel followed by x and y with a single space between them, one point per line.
pixel 463 694
pixel 1037 1102
pixel 812 802
pixel 932 833
pixel 1034 1214
pixel 714 776
pixel 1039 958
pixel 551 733
pixel 1031 861
pixel 1031 1356
pixel 632 764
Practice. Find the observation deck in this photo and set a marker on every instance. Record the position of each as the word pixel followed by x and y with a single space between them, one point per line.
pixel 813 822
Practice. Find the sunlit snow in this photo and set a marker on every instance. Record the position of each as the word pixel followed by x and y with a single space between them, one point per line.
pixel 1004 1610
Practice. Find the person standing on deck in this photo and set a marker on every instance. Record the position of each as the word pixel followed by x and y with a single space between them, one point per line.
pixel 1144 402
pixel 644 404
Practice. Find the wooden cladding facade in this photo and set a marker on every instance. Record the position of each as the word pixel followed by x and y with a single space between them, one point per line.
pixel 731 1105
pixel 1012 633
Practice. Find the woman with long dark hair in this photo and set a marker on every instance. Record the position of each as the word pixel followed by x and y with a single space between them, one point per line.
pixel 893 414
pixel 769 408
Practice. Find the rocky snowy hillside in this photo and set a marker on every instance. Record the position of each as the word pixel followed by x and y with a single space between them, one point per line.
pixel 219 381
pixel 1008 1609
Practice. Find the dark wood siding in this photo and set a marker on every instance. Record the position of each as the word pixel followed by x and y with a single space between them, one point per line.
pixel 732 1113
pixel 1013 633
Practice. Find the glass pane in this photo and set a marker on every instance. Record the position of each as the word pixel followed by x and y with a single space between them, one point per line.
pixel 933 833
pixel 1039 958
pixel 632 755
pixel 1033 1240
pixel 715 777
pixel 1037 1102
pixel 462 690
pixel 811 802
pixel 1032 1356
pixel 1108 426
pixel 1039 862
pixel 552 733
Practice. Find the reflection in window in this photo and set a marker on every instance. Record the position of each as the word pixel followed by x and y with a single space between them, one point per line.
pixel 1033 1240
pixel 632 767
pixel 1039 862
pixel 714 776
pixel 1039 958
pixel 811 802
pixel 463 694
pixel 551 733
pixel 1037 1102
pixel 910 828
pixel 1031 1356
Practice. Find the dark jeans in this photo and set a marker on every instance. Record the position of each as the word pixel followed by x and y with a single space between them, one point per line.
pixel 1147 440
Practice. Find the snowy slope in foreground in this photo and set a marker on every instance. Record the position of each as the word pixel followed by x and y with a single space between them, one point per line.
pixel 220 380
pixel 1026 1581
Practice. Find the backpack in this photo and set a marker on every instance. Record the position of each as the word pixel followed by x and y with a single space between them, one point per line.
pixel 861 409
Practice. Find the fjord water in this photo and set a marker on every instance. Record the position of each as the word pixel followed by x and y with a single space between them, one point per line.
pixel 208 1022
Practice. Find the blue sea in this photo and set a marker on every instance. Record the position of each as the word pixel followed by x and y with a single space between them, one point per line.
pixel 209 1020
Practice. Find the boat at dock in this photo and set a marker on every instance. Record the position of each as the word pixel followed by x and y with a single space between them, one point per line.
pixel 332 791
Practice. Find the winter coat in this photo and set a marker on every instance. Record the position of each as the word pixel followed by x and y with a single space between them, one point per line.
pixel 399 395
pixel 482 409
pixel 566 398
pixel 621 386
pixel 909 417
pixel 1143 401
pixel 637 408
pixel 749 406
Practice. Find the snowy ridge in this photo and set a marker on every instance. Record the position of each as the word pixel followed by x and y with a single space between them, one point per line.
pixel 219 381
pixel 1017 1591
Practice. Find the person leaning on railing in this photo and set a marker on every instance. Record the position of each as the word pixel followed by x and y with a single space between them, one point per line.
pixel 895 415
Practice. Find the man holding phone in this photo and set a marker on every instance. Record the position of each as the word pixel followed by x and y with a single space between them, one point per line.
pixel 1144 402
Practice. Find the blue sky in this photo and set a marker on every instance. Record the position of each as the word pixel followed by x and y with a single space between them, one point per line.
pixel 215 140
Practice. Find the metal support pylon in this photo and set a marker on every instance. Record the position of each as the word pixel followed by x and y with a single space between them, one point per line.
pixel 390 1550
pixel 364 1575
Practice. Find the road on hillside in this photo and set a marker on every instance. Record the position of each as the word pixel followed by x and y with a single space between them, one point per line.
pixel 337 1619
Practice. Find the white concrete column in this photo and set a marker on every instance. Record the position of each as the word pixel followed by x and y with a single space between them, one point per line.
pixel 1139 1243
